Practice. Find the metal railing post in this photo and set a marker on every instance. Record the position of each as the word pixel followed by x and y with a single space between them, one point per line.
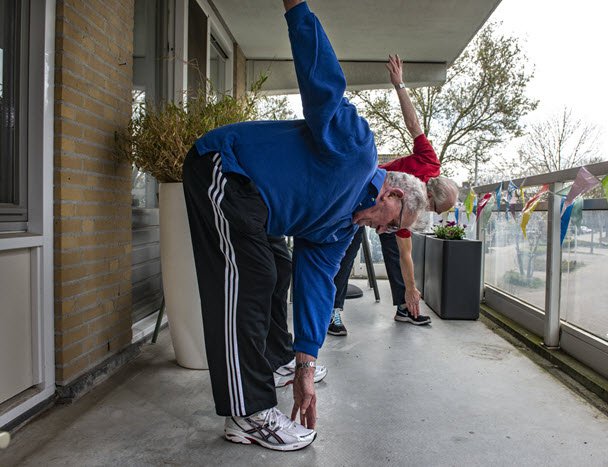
pixel 481 236
pixel 554 268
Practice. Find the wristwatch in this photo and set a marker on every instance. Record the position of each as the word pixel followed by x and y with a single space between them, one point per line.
pixel 300 365
pixel 400 86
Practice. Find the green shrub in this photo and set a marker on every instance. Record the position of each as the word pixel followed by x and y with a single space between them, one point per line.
pixel 515 278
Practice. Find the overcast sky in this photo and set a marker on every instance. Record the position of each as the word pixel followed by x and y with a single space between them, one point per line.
pixel 566 42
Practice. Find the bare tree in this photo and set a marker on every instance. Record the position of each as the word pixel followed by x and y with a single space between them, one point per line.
pixel 478 107
pixel 274 108
pixel 560 142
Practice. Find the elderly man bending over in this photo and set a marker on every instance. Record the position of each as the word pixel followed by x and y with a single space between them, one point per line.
pixel 312 179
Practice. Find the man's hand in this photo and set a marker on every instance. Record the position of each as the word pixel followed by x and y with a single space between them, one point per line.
pixel 289 4
pixel 304 397
pixel 395 69
pixel 412 301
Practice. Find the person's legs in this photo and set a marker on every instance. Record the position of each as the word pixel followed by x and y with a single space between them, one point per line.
pixel 336 326
pixel 390 252
pixel 236 275
pixel 279 344
pixel 346 266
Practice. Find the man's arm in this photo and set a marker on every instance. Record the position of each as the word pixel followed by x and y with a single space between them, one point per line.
pixel 395 69
pixel 336 127
pixel 314 269
pixel 412 295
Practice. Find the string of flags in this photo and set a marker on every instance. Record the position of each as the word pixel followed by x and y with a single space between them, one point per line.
pixel 571 206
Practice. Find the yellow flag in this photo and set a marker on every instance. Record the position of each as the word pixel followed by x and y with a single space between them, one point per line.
pixel 468 204
pixel 530 207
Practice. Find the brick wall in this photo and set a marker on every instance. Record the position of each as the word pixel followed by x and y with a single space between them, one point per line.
pixel 92 193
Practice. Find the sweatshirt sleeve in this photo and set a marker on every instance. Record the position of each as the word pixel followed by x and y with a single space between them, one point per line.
pixel 314 268
pixel 335 125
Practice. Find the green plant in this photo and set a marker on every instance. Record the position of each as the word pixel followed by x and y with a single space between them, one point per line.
pixel 450 231
pixel 159 136
pixel 521 280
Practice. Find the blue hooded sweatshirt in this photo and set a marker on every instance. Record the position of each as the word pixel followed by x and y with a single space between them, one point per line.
pixel 313 174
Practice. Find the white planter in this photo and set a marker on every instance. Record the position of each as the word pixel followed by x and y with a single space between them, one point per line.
pixel 180 286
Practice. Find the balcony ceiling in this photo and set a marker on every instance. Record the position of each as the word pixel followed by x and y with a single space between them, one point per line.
pixel 434 31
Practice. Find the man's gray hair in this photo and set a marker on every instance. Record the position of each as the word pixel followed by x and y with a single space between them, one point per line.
pixel 415 200
pixel 442 189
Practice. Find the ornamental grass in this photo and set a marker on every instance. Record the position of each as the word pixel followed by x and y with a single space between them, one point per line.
pixel 158 137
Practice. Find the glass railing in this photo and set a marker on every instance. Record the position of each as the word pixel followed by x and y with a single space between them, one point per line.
pixel 584 271
pixel 558 290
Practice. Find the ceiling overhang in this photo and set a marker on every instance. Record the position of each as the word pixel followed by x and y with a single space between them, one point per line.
pixel 428 35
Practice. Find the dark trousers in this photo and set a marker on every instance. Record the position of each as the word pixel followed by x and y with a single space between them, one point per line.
pixel 390 251
pixel 241 273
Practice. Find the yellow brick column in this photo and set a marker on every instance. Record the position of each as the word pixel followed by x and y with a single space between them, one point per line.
pixel 92 193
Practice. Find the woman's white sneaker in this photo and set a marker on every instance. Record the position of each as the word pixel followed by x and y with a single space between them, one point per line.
pixel 285 374
pixel 269 428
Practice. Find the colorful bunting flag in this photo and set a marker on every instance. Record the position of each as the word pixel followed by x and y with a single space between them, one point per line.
pixel 468 204
pixel 511 200
pixel 565 220
pixel 530 207
pixel 487 212
pixel 583 182
pixel 577 212
pixel 497 195
pixel 482 203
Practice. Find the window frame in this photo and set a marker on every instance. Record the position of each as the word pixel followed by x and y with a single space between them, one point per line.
pixel 14 216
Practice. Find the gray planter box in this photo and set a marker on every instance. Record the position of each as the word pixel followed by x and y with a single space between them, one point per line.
pixel 452 277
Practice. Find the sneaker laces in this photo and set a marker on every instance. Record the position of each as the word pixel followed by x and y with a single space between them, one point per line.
pixel 274 418
pixel 337 318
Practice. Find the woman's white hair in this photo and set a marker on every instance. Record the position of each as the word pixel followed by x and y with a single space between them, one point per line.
pixel 415 200
pixel 443 190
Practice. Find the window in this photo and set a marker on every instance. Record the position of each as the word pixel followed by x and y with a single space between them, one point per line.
pixel 147 63
pixel 13 92
pixel 217 66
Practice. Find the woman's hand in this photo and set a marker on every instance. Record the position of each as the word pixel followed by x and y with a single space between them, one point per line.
pixel 395 69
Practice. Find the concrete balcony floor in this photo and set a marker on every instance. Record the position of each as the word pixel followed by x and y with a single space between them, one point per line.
pixel 453 393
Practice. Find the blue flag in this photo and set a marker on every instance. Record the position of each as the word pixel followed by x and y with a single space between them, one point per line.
pixel 565 220
pixel 510 200
pixel 498 195
pixel 456 214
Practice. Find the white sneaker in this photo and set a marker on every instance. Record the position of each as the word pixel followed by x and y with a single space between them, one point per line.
pixel 269 428
pixel 285 374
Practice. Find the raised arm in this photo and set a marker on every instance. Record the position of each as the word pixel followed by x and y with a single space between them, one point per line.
pixel 395 69
pixel 333 121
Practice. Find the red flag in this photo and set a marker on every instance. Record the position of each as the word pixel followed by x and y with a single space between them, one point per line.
pixel 482 203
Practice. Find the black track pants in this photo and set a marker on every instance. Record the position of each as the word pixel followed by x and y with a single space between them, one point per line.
pixel 237 277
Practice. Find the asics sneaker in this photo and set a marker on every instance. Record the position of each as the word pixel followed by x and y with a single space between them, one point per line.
pixel 269 428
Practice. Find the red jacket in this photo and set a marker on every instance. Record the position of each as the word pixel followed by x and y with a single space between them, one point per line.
pixel 422 163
